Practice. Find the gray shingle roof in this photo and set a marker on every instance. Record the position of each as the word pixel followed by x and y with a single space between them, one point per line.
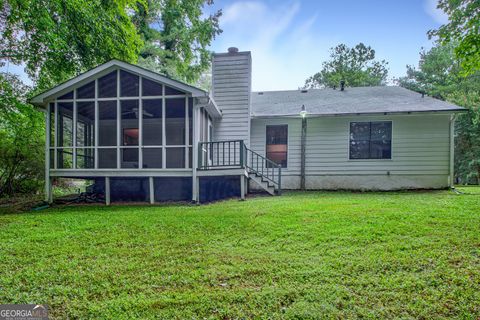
pixel 360 100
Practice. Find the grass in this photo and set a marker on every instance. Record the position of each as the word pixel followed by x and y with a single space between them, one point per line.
pixel 303 255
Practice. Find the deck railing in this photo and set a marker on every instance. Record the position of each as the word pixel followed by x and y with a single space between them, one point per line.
pixel 232 154
pixel 220 154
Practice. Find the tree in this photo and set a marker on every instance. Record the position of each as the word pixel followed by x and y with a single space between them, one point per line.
pixel 21 139
pixel 438 72
pixel 176 36
pixel 464 30
pixel 56 39
pixel 356 66
pixel 467 140
pixel 440 75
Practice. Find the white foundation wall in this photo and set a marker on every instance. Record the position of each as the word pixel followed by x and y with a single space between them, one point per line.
pixel 420 153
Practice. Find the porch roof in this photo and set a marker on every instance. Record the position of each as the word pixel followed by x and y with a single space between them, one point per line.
pixel 351 101
pixel 41 99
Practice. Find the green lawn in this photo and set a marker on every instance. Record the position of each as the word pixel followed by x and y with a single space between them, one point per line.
pixel 301 255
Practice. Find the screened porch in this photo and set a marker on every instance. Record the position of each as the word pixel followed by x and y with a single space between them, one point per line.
pixel 121 120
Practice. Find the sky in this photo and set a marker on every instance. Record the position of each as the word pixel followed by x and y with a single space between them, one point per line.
pixel 290 39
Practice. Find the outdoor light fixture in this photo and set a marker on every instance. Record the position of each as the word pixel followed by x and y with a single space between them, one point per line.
pixel 303 113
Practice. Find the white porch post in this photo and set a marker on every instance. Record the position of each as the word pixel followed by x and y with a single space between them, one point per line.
pixel 48 182
pixel 152 191
pixel 242 187
pixel 195 137
pixel 74 133
pixel 107 191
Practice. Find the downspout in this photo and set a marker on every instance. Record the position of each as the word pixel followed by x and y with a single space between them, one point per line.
pixel 452 152
pixel 302 153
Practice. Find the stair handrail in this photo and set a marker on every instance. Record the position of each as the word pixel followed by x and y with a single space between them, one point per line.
pixel 245 158
pixel 266 165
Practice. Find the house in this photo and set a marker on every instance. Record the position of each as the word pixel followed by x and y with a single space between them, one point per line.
pixel 141 136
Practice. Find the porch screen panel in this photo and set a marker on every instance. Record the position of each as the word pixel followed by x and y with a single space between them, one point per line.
pixel 277 144
pixel 169 91
pixel 85 158
pixel 66 96
pixel 52 124
pixel 87 91
pixel 65 135
pixel 175 157
pixel 129 84
pixel 107 134
pixel 151 88
pixel 175 121
pixel 130 133
pixel 107 158
pixel 152 122
pixel 190 121
pixel 51 137
pixel 107 85
pixel 65 158
pixel 85 134
pixel 152 158
pixel 107 123
pixel 65 124
pixel 85 124
pixel 52 158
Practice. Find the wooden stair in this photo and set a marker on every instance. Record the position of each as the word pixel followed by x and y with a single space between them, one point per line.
pixel 262 183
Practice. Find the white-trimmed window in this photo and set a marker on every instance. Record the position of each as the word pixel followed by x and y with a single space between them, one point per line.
pixel 371 140
pixel 277 144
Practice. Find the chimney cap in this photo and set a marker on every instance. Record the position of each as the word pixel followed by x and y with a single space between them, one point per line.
pixel 232 50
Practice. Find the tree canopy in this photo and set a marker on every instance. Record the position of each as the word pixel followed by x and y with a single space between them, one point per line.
pixel 56 39
pixel 177 35
pixel 463 29
pixel 356 66
pixel 22 139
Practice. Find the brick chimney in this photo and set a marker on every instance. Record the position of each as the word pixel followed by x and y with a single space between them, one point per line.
pixel 231 86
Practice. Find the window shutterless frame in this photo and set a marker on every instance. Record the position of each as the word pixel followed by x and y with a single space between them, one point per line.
pixel 288 140
pixel 372 159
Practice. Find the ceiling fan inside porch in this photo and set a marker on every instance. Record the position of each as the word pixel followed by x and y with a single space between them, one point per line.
pixel 135 112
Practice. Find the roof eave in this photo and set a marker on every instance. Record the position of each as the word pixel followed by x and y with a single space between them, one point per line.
pixel 40 100
pixel 314 115
pixel 210 106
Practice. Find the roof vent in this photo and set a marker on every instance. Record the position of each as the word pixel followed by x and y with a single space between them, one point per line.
pixel 304 91
pixel 342 85
pixel 232 50
pixel 260 93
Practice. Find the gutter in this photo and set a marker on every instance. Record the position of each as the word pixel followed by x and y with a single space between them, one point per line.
pixel 314 115
pixel 210 105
